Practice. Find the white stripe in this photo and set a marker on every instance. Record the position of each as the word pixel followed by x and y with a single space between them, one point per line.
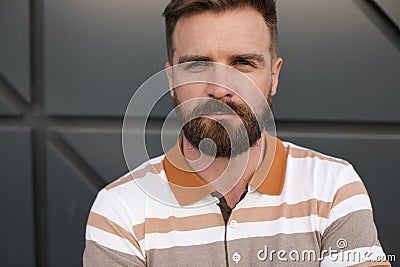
pixel 306 179
pixel 323 224
pixel 271 228
pixel 242 230
pixel 309 178
pixel 116 210
pixel 142 192
pixel 158 210
pixel 185 238
pixel 259 200
pixel 111 241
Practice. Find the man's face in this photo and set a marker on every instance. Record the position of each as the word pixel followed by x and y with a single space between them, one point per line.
pixel 239 39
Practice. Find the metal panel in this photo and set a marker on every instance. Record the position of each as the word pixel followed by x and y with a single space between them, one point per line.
pixel 103 151
pixel 14 44
pixel 98 52
pixel 373 160
pixel 69 199
pixel 17 228
pixel 337 64
pixel 6 109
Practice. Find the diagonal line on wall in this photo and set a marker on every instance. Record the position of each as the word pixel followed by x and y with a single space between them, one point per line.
pixel 381 20
pixel 13 97
pixel 92 178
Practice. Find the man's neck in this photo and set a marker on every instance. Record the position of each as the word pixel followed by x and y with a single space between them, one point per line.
pixel 228 176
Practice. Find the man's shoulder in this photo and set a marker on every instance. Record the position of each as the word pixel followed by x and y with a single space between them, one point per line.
pixel 318 169
pixel 148 168
pixel 324 177
pixel 123 201
pixel 297 152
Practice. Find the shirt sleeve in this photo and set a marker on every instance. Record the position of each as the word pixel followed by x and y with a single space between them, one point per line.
pixel 350 238
pixel 110 238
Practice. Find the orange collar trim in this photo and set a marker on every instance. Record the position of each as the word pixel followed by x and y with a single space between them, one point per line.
pixel 189 188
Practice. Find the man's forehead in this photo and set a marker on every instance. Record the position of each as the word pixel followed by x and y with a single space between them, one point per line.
pixel 241 31
pixel 246 18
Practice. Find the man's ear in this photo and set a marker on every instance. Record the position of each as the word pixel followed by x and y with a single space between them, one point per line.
pixel 276 68
pixel 170 77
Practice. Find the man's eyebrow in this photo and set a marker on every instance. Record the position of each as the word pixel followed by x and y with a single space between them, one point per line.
pixel 190 58
pixel 259 58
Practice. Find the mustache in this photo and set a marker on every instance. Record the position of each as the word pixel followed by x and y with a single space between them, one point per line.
pixel 213 106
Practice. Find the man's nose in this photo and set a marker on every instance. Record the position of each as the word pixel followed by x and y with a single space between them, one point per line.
pixel 218 91
pixel 219 86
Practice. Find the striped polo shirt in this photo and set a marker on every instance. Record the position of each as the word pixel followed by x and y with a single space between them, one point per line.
pixel 302 208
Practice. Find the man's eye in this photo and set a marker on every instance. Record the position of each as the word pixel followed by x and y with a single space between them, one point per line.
pixel 243 62
pixel 197 66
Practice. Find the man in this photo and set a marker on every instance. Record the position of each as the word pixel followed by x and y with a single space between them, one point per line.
pixel 244 207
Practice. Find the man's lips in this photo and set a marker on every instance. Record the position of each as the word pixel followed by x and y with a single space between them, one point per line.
pixel 218 115
pixel 206 112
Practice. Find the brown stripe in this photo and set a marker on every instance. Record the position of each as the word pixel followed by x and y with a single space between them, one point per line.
pixel 150 168
pixel 248 248
pixel 102 223
pixel 213 254
pixel 97 255
pixel 257 214
pixel 299 153
pixel 271 213
pixel 190 223
pixel 139 231
pixel 357 228
pixel 349 190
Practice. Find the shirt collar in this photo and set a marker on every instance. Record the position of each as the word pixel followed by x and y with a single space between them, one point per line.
pixel 189 188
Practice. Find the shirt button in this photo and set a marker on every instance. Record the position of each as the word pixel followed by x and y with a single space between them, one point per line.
pixel 236 257
pixel 233 223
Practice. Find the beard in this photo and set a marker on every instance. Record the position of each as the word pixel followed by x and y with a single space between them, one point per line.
pixel 230 137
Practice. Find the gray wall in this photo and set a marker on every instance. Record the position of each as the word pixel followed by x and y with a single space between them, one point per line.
pixel 68 69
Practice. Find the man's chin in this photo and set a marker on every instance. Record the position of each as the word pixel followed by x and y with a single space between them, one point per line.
pixel 223 150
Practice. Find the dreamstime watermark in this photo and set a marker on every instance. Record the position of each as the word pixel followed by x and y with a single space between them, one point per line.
pixel 333 254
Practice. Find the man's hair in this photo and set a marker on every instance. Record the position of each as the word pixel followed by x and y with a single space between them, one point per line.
pixel 177 9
